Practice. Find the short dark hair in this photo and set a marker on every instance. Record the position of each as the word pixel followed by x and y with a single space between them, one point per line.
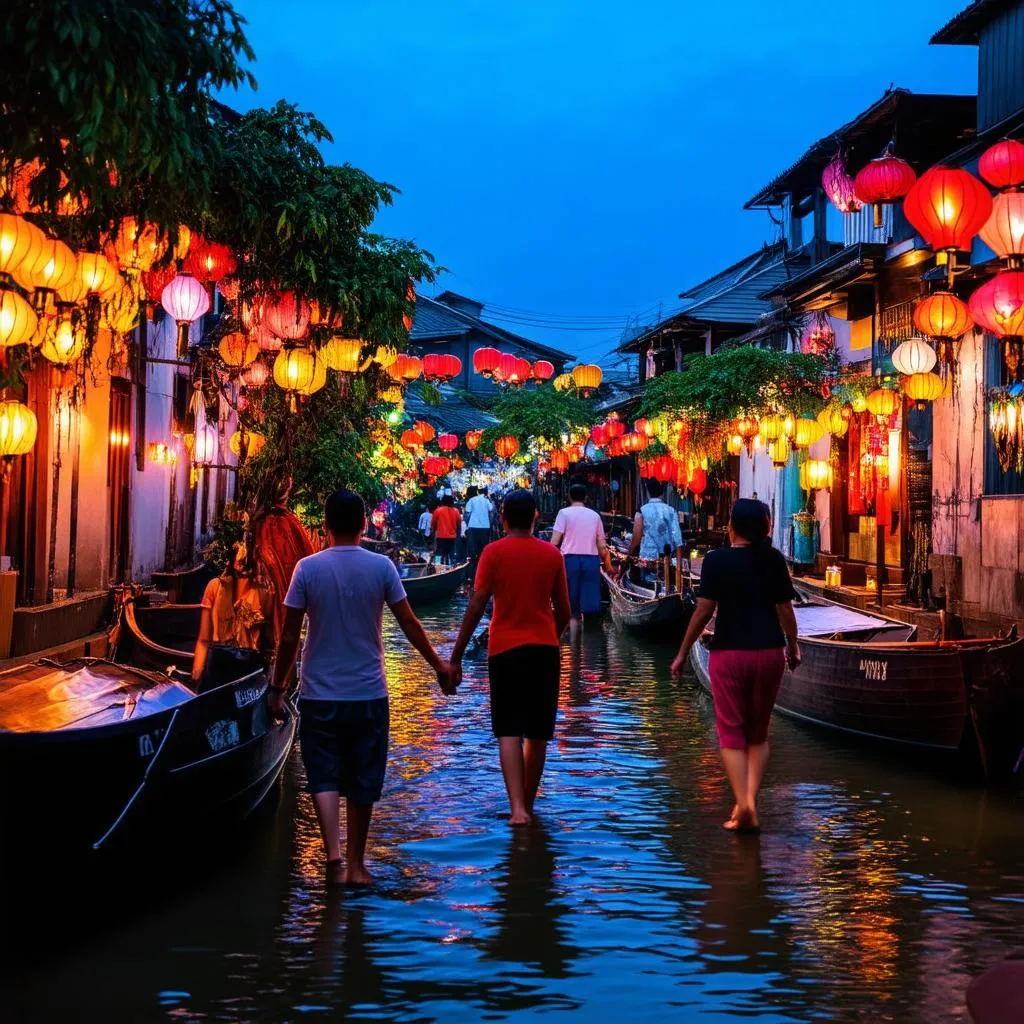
pixel 655 488
pixel 431 505
pixel 519 509
pixel 345 513
pixel 448 500
pixel 471 492
pixel 577 491
pixel 749 519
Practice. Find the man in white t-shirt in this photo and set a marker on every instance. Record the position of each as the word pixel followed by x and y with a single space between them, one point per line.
pixel 579 532
pixel 426 517
pixel 343 695
pixel 478 518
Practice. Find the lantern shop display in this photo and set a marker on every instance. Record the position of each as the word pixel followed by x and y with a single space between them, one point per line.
pixel 883 181
pixel 506 447
pixel 18 429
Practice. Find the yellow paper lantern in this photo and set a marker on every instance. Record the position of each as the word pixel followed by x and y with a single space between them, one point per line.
pixel 859 403
pixel 882 402
pixel 384 356
pixel 562 382
pixel 21 243
pixel 342 354
pixel 587 377
pixel 237 350
pixel 53 268
pixel 294 371
pixel 18 320
pixel 319 379
pixel 807 431
pixel 18 429
pixel 832 420
pixel 734 445
pixel 99 275
pixel 246 444
pixel 788 424
pixel 64 344
pixel 120 312
pixel 772 427
pixel 778 451
pixel 136 248
pixel 815 474
pixel 923 388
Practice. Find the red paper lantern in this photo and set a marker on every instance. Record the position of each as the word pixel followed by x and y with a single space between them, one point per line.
pixel 287 316
pixel 448 442
pixel 405 368
pixel 699 481
pixel 942 315
pixel 599 434
pixel 616 428
pixel 255 375
pixel 559 461
pixel 485 361
pixel 452 366
pixel 473 438
pixel 664 468
pixel 1003 232
pixel 1002 165
pixel 615 448
pixel 998 305
pixel 209 261
pixel 506 447
pixel 633 443
pixel 436 465
pixel 948 206
pixel 543 370
pixel 506 368
pixel 521 374
pixel 645 467
pixel 433 367
pixel 883 181
pixel 643 426
pixel 154 281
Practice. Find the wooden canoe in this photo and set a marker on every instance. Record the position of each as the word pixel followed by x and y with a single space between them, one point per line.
pixel 638 610
pixel 431 584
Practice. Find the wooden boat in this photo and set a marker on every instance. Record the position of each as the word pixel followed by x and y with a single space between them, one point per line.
pixel 429 584
pixel 867 676
pixel 100 756
pixel 156 637
pixel 640 610
pixel 185 586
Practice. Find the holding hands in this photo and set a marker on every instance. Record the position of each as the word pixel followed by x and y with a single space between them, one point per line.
pixel 449 675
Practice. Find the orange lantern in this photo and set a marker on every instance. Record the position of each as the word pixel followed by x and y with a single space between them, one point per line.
pixel 136 247
pixel 405 369
pixel 21 243
pixel 506 447
pixel 559 461
pixel 587 378
pixel 99 275
pixel 734 445
pixel 342 354
pixel 882 403
pixel 473 439
pixel 998 305
pixel 485 361
pixel 411 440
pixel 425 430
pixel 643 426
pixel 54 266
pixel 923 388
pixel 948 206
pixel 294 373
pixel 448 442
pixel 237 350
pixel 633 443
pixel 18 320
pixel 942 315
pixel 1003 232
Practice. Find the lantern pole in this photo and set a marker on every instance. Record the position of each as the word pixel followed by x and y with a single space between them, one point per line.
pixel 141 354
pixel 51 559
pixel 73 524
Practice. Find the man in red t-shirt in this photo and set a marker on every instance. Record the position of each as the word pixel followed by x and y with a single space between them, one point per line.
pixel 444 524
pixel 526 578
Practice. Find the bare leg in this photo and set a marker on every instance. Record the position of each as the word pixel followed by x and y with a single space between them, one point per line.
pixel 511 751
pixel 757 762
pixel 328 816
pixel 357 825
pixel 735 762
pixel 574 627
pixel 534 753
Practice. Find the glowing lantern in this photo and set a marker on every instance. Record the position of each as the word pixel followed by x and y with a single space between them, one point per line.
pixel 998 305
pixel 615 448
pixel 543 370
pixel 942 315
pixel 808 431
pixel 229 288
pixel 788 424
pixel 436 465
pixel 734 445
pixel 385 356
pixel 294 372
pixel 98 273
pixel 154 282
pixel 237 350
pixel 882 403
pixel 616 428
pixel 859 403
pixel 664 468
pixel 245 444
pixel 815 474
pixel 746 427
pixel 643 426
pixel 185 300
pixel 255 375
pixel 319 378
pixel 521 373
pixel 433 369
pixel 411 440
pixel 136 248
pixel 832 420
pixel 1003 232
pixel 210 261
pixel 562 382
pixel 506 447
pixel 20 243
pixel 18 429
pixel 682 475
pixel 448 442
pixel 473 439
pixel 63 345
pixel 883 181
pixel 923 388
pixel 287 316
pixel 913 356
pixel 559 461
pixel 778 451
pixel 405 369
pixel 948 206
pixel 839 187
pixel 772 426
pixel 485 361
pixel 587 378
pixel 645 468
pixel 342 354
pixel 599 434
pixel 506 368
pixel 1002 165
pixel 18 320
pixel 54 266
pixel 120 312
pixel 425 430
pixel 204 446
pixel 698 481
pixel 633 443
pixel 393 395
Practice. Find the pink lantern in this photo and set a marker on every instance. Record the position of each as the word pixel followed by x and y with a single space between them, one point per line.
pixel 287 316
pixel 839 187
pixel 186 300
pixel 255 375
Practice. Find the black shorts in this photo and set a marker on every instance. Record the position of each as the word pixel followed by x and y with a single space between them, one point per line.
pixel 446 545
pixel 524 691
pixel 344 745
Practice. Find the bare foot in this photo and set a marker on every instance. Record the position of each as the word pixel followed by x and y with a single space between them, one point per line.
pixel 335 872
pixel 743 820
pixel 357 875
pixel 519 818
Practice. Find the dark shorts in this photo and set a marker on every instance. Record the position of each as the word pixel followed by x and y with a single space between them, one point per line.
pixel 524 691
pixel 344 746
pixel 744 685
pixel 446 546
pixel 477 538
pixel 584 575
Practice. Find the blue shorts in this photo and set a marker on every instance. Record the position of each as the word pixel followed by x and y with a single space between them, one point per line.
pixel 344 746
pixel 584 575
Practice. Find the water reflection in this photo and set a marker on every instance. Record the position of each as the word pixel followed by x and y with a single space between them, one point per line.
pixel 875 892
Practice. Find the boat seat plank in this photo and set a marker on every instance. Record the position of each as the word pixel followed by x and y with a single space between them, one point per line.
pixel 825 620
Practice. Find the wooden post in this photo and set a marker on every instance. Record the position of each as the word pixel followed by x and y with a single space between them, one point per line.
pixel 172 510
pixel 141 370
pixel 51 558
pixel 73 524
pixel 879 559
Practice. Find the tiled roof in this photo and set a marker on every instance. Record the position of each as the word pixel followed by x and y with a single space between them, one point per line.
pixel 964 27
pixel 454 414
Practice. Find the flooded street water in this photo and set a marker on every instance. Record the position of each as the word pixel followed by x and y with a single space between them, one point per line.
pixel 876 892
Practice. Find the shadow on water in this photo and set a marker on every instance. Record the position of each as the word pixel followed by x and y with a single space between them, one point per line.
pixel 876 891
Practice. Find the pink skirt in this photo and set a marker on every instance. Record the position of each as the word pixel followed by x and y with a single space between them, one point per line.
pixel 744 685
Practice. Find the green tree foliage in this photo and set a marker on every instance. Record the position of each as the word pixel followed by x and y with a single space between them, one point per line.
pixel 738 380
pixel 541 412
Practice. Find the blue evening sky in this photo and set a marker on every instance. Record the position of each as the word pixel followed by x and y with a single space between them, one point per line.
pixel 585 160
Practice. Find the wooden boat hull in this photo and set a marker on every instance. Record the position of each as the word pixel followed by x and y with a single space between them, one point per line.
pixel 663 618
pixel 156 638
pixel 426 590
pixel 186 586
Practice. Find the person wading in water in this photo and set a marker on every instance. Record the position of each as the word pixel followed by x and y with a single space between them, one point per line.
pixel 579 533
pixel 749 586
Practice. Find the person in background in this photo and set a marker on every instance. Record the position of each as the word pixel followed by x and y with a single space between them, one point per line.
pixel 656 527
pixel 423 526
pixel 444 525
pixel 237 610
pixel 343 696
pixel 479 512
pixel 579 532
pixel 747 587
pixel 526 577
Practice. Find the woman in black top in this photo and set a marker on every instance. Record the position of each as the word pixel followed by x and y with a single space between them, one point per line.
pixel 748 584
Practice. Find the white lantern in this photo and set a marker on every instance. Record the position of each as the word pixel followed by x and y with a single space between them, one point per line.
pixel 914 356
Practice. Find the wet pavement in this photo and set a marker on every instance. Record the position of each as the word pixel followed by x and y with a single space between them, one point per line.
pixel 877 890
